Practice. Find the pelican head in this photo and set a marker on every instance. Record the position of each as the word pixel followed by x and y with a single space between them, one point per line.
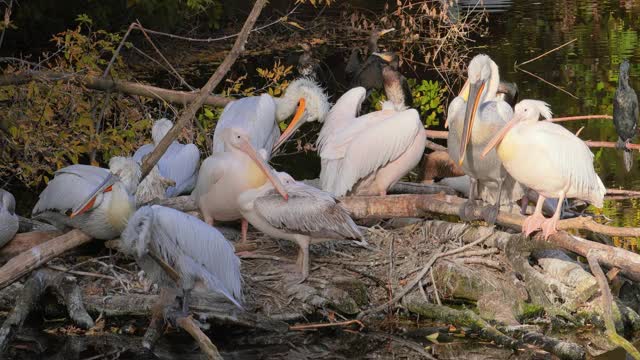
pixel 312 105
pixel 238 139
pixel 483 79
pixel 160 129
pixel 526 111
pixel 137 235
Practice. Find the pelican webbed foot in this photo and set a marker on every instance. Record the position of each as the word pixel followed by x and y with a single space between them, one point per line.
pixel 549 227
pixel 621 144
pixel 490 213
pixel 532 223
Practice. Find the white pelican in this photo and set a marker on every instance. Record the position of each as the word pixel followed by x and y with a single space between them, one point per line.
pixel 179 163
pixel 309 216
pixel 366 155
pixel 153 186
pixel 95 200
pixel 225 175
pixel 549 159
pixel 467 137
pixel 8 219
pixel 198 252
pixel 259 116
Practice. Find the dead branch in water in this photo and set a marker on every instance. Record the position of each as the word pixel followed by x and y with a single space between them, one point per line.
pixel 581 117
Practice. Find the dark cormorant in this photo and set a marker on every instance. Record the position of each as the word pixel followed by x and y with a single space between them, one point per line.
pixel 625 114
pixel 509 92
pixel 307 65
pixel 369 73
pixel 395 84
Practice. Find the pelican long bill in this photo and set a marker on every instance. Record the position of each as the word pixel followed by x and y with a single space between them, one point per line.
pixel 499 136
pixel 475 92
pixel 88 203
pixel 246 147
pixel 293 126
pixel 464 94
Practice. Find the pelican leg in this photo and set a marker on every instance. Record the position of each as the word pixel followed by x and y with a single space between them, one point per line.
pixel 490 213
pixel 621 144
pixel 466 212
pixel 244 227
pixel 549 225
pixel 524 202
pixel 303 258
pixel 533 222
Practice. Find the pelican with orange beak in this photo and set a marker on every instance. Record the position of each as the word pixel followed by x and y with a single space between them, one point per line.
pixel 474 116
pixel 95 200
pixel 547 158
pixel 259 116
pixel 225 175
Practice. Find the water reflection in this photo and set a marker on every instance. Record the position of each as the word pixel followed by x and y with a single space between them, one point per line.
pixel 606 33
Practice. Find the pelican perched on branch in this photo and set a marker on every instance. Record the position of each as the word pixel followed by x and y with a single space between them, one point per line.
pixel 366 155
pixel 199 253
pixel 225 175
pixel 547 158
pixel 625 114
pixel 309 216
pixel 9 222
pixel 259 116
pixel 95 200
pixel 179 163
pixel 473 118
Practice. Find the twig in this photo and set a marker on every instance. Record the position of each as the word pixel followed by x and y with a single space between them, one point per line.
pixel 548 52
pixel 581 117
pixel 166 267
pixel 205 344
pixel 6 21
pixel 263 257
pixel 546 82
pixel 189 113
pixel 81 273
pixel 433 146
pixel 607 304
pixel 117 52
pixel 480 261
pixel 407 288
pixel 435 287
pixel 611 145
pixel 325 325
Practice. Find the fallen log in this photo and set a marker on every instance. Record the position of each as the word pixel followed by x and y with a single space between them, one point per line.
pixel 182 98
pixel 27 261
pixel 367 207
pixel 25 241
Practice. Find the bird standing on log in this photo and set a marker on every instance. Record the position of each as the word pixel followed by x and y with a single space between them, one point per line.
pixel 225 175
pixel 95 200
pixel 9 222
pixel 259 116
pixel 474 117
pixel 625 114
pixel 308 217
pixel 549 159
pixel 199 253
pixel 365 155
pixel 179 163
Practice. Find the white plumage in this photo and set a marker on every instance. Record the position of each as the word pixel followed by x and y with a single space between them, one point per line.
pixel 549 159
pixel 309 216
pixel 153 186
pixel 179 163
pixel 74 184
pixel 366 155
pixel 9 222
pixel 198 252
pixel 259 116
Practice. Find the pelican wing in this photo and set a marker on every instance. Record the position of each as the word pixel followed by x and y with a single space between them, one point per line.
pixel 341 115
pixel 569 155
pixel 142 151
pixel 211 171
pixel 308 211
pixel 256 115
pixel 197 250
pixel 70 187
pixel 390 139
pixel 180 164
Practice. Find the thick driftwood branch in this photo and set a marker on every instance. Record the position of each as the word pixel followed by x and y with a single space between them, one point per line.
pixel 205 344
pixel 25 241
pixel 403 187
pixel 96 83
pixel 607 304
pixel 418 205
pixel 22 264
pixel 190 112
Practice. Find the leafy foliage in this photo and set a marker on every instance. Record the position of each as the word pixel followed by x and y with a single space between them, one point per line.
pixel 428 99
